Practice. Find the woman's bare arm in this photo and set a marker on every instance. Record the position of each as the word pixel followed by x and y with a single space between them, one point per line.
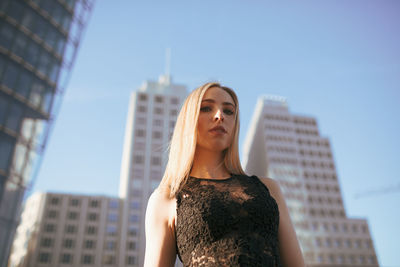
pixel 289 247
pixel 160 234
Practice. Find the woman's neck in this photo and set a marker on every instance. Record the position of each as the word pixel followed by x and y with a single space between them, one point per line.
pixel 208 164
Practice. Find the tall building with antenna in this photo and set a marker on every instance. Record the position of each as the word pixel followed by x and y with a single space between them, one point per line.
pixel 38 43
pixel 152 114
pixel 290 149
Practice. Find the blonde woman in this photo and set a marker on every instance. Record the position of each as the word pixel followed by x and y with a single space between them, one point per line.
pixel 206 209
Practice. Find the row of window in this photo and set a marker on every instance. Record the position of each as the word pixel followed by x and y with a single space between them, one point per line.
pixel 277 117
pixel 342 243
pixel 320 175
pixel 322 200
pixel 67 258
pixel 322 188
pixel 306 132
pixel 159 99
pixel 316 164
pixel 350 259
pixel 305 121
pixel 281 149
pixel 75 202
pixel 36 25
pixel 314 153
pixel 73 215
pixel 47 242
pixel 310 142
pixel 157 110
pixel 73 229
pixel 327 213
pixel 290 161
pixel 278 128
pixel 139 159
pixel 279 138
pixel 342 227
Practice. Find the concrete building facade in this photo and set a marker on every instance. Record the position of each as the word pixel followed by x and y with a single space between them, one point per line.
pixel 152 114
pixel 67 230
pixel 290 149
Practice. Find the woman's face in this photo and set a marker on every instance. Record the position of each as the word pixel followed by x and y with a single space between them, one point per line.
pixel 216 120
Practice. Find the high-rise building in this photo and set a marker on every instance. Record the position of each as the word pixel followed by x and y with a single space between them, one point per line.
pixel 67 230
pixel 289 149
pixel 152 114
pixel 38 44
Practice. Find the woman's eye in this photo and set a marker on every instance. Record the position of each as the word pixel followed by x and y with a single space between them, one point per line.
pixel 205 109
pixel 228 112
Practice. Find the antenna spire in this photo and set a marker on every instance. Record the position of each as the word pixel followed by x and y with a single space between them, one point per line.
pixel 167 61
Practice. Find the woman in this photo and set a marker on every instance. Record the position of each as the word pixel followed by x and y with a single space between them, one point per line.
pixel 206 209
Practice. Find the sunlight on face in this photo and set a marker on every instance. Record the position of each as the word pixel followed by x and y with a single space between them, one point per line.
pixel 216 120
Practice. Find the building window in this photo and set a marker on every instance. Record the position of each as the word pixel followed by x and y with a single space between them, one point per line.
pixel 142 109
pixel 52 214
pixel 158 99
pixel 47 242
pixel 158 122
pixel 173 112
pixel 174 101
pixel 66 258
pixel 112 217
pixel 109 259
pixel 110 245
pixel 71 229
pixel 91 230
pixel 133 231
pixel 94 203
pixel 142 97
pixel 155 161
pixel 87 259
pixel 111 230
pixel 49 228
pixel 131 260
pixel 72 215
pixel 137 183
pixel 138 159
pixel 44 257
pixel 89 244
pixel 54 201
pixel 92 216
pixel 134 218
pixel 74 202
pixel 131 245
pixel 157 134
pixel 68 243
pixel 158 111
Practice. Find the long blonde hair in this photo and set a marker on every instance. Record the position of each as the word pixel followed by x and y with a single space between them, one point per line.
pixel 184 139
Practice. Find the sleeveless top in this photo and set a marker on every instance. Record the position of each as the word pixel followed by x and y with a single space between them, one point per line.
pixel 228 222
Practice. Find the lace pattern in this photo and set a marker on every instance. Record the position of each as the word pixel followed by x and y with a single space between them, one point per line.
pixel 230 222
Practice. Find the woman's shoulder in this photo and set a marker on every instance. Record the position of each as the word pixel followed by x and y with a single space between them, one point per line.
pixel 162 205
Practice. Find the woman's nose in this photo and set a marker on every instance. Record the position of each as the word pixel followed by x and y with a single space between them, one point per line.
pixel 219 116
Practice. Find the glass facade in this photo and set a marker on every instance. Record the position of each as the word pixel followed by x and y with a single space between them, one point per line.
pixel 38 45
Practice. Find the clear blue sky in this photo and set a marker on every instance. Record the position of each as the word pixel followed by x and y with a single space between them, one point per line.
pixel 336 60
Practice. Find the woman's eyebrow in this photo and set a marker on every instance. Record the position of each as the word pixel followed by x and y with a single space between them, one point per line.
pixel 213 101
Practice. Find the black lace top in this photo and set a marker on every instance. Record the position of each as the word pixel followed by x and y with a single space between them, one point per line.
pixel 229 222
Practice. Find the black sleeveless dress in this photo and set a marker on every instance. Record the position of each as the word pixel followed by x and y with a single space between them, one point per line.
pixel 229 222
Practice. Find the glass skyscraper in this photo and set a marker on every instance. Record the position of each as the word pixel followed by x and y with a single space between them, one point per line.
pixel 38 44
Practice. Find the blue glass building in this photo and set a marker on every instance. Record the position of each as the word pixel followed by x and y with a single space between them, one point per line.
pixel 38 45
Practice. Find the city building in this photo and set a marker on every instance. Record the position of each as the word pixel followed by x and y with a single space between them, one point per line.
pixel 67 230
pixel 289 148
pixel 38 45
pixel 152 114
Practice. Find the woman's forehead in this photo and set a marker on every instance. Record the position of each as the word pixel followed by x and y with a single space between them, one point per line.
pixel 217 94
